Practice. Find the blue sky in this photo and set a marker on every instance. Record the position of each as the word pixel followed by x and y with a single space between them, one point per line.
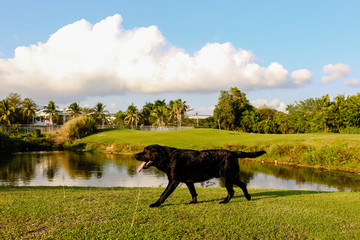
pixel 123 52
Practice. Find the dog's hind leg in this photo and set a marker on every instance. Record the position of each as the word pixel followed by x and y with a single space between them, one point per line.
pixel 169 189
pixel 243 187
pixel 193 192
pixel 229 187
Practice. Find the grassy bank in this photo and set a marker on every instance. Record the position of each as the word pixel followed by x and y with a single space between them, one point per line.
pixel 335 151
pixel 123 213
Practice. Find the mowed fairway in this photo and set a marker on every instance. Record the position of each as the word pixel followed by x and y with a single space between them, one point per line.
pixel 206 138
pixel 124 213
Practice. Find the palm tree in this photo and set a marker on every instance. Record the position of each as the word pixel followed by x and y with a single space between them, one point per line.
pixel 75 109
pixel 159 103
pixel 28 109
pixel 6 111
pixel 180 108
pixel 146 112
pixel 119 118
pixel 159 114
pixel 172 113
pixel 87 110
pixel 100 114
pixel 132 115
pixel 15 102
pixel 51 109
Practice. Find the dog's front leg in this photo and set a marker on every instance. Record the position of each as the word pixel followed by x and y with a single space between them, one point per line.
pixel 169 189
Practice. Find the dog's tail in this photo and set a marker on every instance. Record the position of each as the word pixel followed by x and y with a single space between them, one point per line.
pixel 240 154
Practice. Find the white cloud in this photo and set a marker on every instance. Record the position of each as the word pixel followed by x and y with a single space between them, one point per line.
pixel 301 77
pixel 275 103
pixel 353 82
pixel 335 72
pixel 84 60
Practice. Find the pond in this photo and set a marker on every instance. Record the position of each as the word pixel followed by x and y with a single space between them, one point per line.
pixel 116 170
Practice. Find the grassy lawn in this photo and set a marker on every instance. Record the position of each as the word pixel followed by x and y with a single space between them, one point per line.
pixel 335 151
pixel 207 138
pixel 123 213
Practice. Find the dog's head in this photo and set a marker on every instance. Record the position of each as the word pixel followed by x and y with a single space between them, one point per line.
pixel 152 155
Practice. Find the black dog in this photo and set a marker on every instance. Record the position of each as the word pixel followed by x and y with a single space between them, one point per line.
pixel 190 166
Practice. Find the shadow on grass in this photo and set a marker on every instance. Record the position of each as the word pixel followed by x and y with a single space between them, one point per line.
pixel 254 196
pixel 281 193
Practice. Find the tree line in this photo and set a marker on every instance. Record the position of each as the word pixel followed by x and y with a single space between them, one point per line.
pixel 15 110
pixel 232 112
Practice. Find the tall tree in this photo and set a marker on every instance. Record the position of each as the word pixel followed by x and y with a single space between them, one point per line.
pixel 75 109
pixel 231 105
pixel 159 115
pixel 179 108
pixel 15 101
pixel 146 113
pixel 51 109
pixel 119 118
pixel 100 114
pixel 159 103
pixel 28 109
pixel 172 113
pixel 132 115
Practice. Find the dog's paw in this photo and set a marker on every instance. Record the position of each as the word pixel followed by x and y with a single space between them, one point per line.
pixel 248 197
pixel 193 202
pixel 225 201
pixel 155 205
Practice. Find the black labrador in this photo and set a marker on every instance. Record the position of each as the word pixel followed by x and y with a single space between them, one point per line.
pixel 189 167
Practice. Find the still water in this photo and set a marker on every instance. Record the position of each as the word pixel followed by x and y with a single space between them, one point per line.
pixel 114 170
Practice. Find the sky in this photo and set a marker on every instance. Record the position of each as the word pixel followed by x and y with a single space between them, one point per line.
pixel 122 52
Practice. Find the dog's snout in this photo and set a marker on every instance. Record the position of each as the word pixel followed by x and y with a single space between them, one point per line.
pixel 139 155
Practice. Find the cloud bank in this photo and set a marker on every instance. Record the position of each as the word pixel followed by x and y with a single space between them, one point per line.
pixel 84 60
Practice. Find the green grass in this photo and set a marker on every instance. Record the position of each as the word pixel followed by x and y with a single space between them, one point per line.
pixel 205 138
pixel 335 151
pixel 123 213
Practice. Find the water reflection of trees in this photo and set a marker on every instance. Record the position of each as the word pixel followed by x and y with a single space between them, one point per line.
pixel 16 169
pixel 21 168
pixel 337 179
pixel 49 166
pixel 83 165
